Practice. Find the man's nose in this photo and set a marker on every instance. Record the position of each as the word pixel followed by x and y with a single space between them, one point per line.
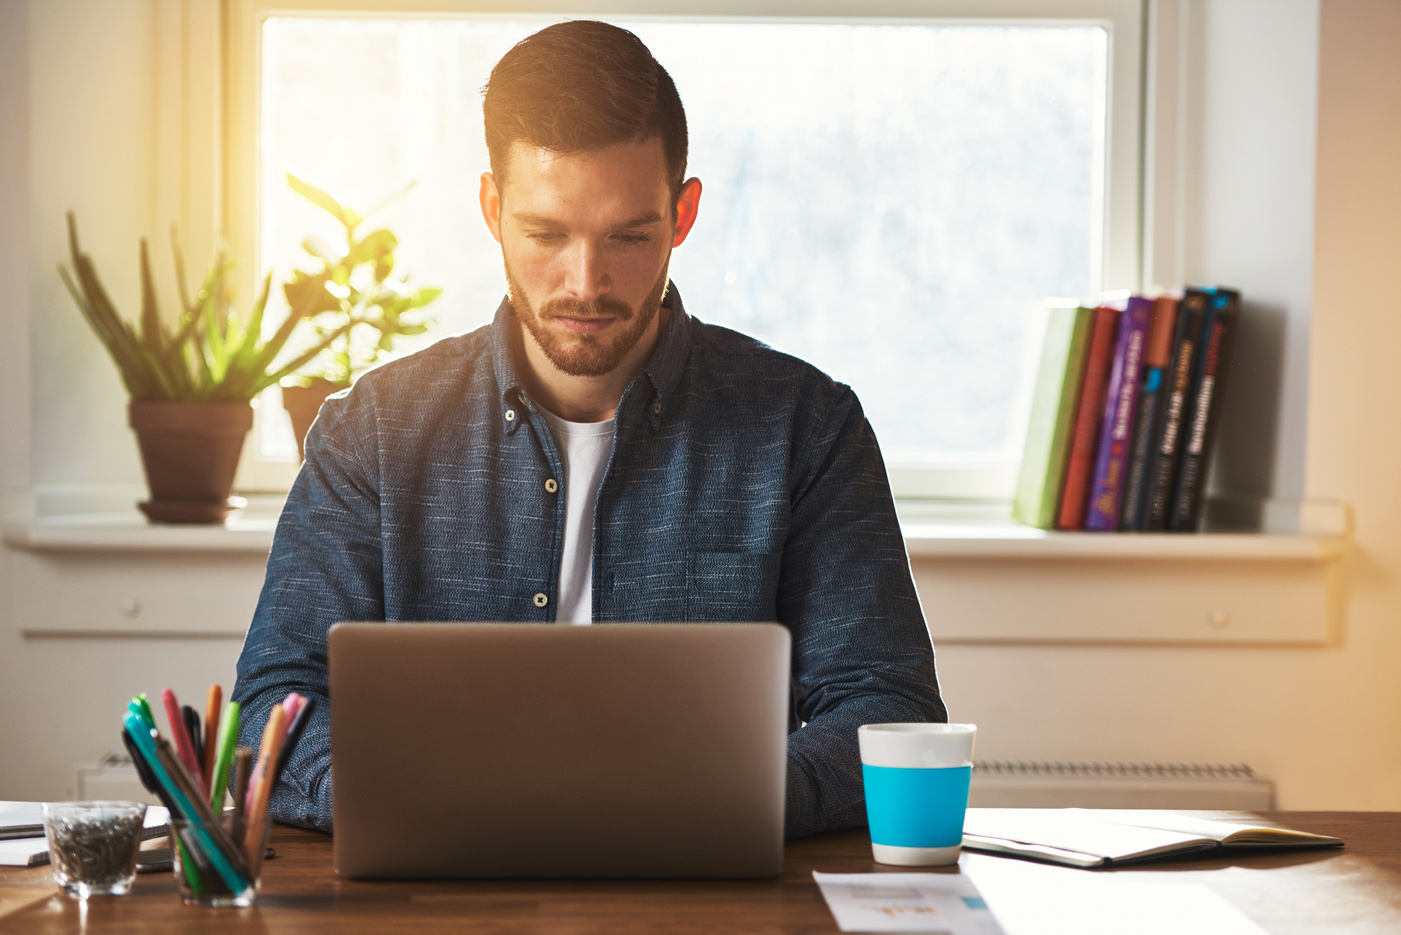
pixel 589 276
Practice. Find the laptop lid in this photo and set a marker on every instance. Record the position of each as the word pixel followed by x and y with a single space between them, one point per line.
pixel 521 750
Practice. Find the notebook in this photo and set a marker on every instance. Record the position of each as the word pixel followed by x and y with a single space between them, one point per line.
pixel 528 750
pixel 1079 837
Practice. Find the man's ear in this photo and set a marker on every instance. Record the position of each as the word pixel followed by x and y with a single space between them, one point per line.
pixel 491 205
pixel 686 207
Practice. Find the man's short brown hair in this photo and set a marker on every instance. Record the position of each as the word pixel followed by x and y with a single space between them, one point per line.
pixel 579 87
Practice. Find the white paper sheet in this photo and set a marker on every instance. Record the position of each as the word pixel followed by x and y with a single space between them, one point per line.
pixel 1032 899
pixel 906 902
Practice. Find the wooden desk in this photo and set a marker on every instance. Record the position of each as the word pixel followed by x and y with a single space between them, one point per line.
pixel 1356 890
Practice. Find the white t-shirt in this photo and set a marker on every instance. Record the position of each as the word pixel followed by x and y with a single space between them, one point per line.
pixel 584 448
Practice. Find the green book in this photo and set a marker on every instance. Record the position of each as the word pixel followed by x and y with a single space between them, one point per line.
pixel 1052 416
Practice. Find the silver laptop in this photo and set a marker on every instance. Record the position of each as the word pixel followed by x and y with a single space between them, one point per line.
pixel 522 750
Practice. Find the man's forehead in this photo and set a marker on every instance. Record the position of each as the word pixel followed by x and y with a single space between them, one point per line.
pixel 629 172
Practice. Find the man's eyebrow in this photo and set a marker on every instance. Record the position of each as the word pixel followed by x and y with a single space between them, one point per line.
pixel 651 217
pixel 539 220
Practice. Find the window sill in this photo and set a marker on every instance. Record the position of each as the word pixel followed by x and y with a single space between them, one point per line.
pixel 935 531
pixel 932 531
pixel 126 530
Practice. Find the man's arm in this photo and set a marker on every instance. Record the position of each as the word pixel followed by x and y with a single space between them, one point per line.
pixel 861 650
pixel 325 567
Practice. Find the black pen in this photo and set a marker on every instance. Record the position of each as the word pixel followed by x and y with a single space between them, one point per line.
pixel 294 733
pixel 14 832
pixel 191 718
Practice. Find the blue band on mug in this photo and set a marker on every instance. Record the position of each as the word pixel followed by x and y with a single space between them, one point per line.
pixel 916 807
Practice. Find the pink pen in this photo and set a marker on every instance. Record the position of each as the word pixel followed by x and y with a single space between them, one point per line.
pixel 290 706
pixel 183 747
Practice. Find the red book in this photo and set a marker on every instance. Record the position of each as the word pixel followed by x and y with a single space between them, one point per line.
pixel 1088 412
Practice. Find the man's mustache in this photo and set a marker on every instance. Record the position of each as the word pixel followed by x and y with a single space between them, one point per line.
pixel 606 307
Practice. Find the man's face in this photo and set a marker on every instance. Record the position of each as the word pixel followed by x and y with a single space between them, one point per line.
pixel 586 240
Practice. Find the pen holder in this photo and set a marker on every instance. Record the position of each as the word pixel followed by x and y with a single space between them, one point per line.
pixel 196 877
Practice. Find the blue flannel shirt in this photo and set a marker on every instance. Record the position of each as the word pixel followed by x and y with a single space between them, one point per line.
pixel 743 484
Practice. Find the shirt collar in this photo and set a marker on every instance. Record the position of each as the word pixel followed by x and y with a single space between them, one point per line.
pixel 663 368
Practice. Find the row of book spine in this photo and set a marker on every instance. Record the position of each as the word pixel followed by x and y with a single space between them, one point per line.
pixel 1128 396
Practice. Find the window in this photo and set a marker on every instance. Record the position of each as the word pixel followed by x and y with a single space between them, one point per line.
pixel 888 199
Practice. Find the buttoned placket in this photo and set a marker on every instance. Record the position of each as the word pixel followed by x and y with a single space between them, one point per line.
pixel 518 411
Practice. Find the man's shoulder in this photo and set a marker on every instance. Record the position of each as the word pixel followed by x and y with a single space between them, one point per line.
pixel 441 367
pixel 403 397
pixel 731 362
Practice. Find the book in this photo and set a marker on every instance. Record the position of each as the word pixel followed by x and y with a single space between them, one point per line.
pixel 1116 430
pixel 1162 461
pixel 1203 415
pixel 1077 837
pixel 1058 380
pixel 1156 356
pixel 22 841
pixel 1070 513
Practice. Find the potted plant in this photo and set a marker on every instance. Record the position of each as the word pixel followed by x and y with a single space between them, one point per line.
pixel 355 304
pixel 191 386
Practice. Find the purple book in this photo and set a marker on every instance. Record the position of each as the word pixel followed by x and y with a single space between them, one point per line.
pixel 1120 406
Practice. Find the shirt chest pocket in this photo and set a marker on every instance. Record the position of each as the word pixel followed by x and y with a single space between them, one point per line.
pixel 735 587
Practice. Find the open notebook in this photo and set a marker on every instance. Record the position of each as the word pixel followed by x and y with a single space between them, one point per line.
pixel 1099 837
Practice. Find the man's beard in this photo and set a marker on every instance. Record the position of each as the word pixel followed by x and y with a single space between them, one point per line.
pixel 584 355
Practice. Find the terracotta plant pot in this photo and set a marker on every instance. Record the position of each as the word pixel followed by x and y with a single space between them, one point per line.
pixel 303 403
pixel 190 452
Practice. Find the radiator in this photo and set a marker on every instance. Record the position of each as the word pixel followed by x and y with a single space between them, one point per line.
pixel 1030 784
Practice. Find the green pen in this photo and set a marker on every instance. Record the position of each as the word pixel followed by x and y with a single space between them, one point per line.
pixel 223 760
pixel 138 707
pixel 145 706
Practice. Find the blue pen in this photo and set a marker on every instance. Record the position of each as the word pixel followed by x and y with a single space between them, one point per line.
pixel 141 734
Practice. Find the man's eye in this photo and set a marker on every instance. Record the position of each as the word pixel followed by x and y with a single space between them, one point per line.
pixel 544 236
pixel 631 239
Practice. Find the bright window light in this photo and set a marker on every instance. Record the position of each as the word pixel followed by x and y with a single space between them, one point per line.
pixel 889 202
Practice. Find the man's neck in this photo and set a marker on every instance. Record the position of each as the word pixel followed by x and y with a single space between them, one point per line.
pixel 581 399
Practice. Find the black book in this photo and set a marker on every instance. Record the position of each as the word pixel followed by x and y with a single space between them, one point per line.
pixel 1161 468
pixel 1199 423
pixel 1151 395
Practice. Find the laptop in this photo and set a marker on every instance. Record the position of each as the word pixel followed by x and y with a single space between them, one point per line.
pixel 522 750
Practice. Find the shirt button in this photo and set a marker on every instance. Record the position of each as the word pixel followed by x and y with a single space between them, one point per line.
pixel 510 415
pixel 551 486
pixel 541 600
pixel 657 408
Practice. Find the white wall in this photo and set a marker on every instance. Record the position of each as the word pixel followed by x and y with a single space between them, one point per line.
pixel 1248 220
pixel 76 130
pixel 1322 337
pixel 14 245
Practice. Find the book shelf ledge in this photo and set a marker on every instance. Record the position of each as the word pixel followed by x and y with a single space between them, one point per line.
pixel 1298 531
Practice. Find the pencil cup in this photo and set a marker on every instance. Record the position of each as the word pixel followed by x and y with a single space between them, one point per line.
pixel 92 845
pixel 197 877
pixel 916 778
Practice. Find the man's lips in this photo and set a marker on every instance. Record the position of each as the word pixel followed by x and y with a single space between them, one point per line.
pixel 585 325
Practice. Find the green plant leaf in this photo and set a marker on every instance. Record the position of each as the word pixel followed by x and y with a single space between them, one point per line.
pixel 349 219
pixel 371 248
pixel 151 335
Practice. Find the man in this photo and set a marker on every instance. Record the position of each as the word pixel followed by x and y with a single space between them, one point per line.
pixel 596 454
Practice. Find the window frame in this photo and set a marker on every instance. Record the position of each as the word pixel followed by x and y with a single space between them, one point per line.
pixel 1123 171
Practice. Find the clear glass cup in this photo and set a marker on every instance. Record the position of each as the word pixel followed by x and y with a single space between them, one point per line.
pixel 196 879
pixel 93 845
